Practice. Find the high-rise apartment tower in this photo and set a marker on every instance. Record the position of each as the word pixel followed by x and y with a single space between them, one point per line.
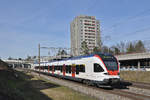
pixel 84 28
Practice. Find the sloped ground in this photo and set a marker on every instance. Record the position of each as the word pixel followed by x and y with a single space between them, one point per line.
pixel 3 65
pixel 15 85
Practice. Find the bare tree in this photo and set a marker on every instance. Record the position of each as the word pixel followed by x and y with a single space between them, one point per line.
pixel 84 48
pixel 105 49
pixel 114 50
pixel 122 47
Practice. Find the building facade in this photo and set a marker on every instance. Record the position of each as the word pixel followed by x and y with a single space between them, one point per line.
pixel 84 28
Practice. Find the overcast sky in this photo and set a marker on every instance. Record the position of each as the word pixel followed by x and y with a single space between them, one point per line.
pixel 26 23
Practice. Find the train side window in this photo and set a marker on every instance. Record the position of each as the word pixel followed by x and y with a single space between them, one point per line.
pixel 61 68
pixel 50 67
pixel 77 69
pixel 37 67
pixel 45 67
pixel 69 68
pixel 55 67
pixel 98 68
pixel 82 68
pixel 58 67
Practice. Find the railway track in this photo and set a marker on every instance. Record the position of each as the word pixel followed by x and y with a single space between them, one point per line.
pixel 123 93
pixel 141 85
pixel 130 95
pixel 119 92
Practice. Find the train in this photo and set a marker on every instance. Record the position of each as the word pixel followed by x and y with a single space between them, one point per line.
pixel 101 69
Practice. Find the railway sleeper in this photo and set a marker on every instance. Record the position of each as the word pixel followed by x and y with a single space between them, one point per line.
pixel 88 82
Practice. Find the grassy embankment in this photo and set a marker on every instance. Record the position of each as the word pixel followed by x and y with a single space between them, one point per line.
pixel 3 65
pixel 136 76
pixel 26 87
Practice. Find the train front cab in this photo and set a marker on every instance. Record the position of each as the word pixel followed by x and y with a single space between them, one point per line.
pixel 106 68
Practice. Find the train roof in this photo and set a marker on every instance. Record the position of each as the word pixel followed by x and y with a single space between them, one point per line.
pixel 83 56
pixel 86 56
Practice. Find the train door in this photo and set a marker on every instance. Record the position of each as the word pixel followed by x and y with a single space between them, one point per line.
pixel 64 69
pixel 73 70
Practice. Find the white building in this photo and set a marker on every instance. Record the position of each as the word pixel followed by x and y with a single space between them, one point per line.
pixel 84 28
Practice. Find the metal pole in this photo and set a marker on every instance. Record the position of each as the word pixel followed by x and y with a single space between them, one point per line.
pixel 39 59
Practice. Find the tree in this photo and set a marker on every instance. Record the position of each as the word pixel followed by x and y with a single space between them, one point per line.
pixel 114 50
pixel 130 48
pixel 117 51
pixel 28 58
pixel 97 49
pixel 121 47
pixel 61 52
pixel 111 50
pixel 10 58
pixel 99 45
pixel 139 47
pixel 19 58
pixel 84 48
pixel 34 57
pixel 105 49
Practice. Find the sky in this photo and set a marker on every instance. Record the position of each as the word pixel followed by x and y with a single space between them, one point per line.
pixel 26 23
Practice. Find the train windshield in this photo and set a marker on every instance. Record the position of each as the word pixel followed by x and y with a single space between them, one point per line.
pixel 110 62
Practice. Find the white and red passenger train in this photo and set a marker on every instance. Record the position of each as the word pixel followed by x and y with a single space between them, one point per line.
pixel 99 69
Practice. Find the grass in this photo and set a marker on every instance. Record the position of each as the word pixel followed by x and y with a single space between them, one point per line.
pixel 27 87
pixel 136 76
pixel 62 92
pixel 18 88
